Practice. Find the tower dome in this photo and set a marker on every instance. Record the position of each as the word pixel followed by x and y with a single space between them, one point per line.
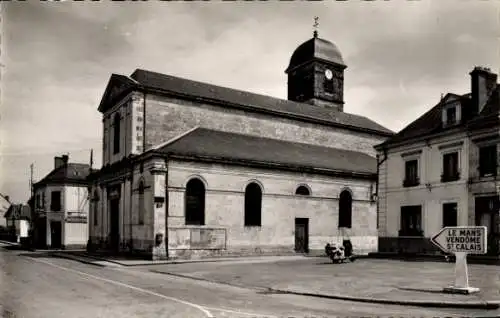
pixel 315 49
pixel 316 74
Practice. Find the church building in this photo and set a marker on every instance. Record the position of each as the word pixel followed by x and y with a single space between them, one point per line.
pixel 192 169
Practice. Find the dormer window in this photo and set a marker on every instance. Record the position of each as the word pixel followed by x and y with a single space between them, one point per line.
pixel 451 116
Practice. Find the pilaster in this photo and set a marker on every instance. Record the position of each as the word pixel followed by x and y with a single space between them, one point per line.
pixel 159 172
pixel 137 124
pixel 104 213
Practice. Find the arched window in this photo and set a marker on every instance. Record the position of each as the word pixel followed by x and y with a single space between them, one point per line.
pixel 253 205
pixel 95 207
pixel 141 210
pixel 345 209
pixel 195 202
pixel 302 190
pixel 116 134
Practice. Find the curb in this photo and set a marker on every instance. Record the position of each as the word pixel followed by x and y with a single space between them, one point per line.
pixel 8 243
pixel 166 262
pixel 427 303
pixel 78 259
pixel 440 304
pixel 262 289
pixel 434 258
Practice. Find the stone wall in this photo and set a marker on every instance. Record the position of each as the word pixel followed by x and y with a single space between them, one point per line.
pixel 133 234
pixel 167 118
pixel 131 111
pixel 224 209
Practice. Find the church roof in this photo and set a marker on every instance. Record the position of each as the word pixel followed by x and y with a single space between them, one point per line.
pixel 202 143
pixel 72 173
pixel 315 49
pixel 202 92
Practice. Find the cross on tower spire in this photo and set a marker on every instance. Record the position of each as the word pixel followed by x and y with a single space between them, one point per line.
pixel 315 25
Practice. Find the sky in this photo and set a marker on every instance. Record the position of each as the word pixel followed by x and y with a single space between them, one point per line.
pixel 57 57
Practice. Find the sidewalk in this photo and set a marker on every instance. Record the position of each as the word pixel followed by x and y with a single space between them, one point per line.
pixel 123 261
pixel 8 242
pixel 471 259
pixel 77 256
pixel 366 280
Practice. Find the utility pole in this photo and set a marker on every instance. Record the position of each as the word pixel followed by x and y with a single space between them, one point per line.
pixel 31 180
pixel 91 159
pixel 32 207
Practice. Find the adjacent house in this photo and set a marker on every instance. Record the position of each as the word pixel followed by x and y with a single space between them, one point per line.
pixel 442 170
pixel 61 206
pixel 4 206
pixel 193 169
pixel 18 218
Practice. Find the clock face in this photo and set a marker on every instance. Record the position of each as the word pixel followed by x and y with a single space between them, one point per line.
pixel 328 74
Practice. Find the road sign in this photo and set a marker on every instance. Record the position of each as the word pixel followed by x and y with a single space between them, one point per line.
pixel 461 239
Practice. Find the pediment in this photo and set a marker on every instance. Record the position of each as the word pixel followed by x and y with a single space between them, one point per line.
pixel 450 98
pixel 117 85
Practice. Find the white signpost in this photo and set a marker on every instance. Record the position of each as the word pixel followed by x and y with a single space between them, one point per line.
pixel 461 240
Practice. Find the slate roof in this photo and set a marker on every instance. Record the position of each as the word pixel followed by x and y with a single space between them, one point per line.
pixel 206 143
pixel 189 89
pixel 489 114
pixel 71 173
pixel 18 212
pixel 431 122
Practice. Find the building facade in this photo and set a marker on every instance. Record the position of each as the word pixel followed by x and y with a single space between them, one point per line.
pixel 61 206
pixel 4 206
pixel 193 169
pixel 18 217
pixel 441 170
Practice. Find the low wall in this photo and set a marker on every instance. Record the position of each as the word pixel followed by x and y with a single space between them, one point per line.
pixel 407 245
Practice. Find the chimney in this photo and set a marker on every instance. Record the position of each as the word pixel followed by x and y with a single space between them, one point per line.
pixel 7 198
pixel 60 161
pixel 483 82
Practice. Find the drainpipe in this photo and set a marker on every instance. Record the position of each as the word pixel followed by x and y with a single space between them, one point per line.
pixel 130 211
pixel 379 163
pixel 166 209
pixel 144 123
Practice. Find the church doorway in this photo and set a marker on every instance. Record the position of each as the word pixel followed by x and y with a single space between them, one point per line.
pixel 114 235
pixel 301 235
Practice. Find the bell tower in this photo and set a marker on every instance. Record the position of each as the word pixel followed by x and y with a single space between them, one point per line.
pixel 316 74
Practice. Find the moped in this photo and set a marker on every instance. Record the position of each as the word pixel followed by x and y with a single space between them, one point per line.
pixel 339 253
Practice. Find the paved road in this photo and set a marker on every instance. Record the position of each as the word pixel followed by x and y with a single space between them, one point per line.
pixel 370 278
pixel 36 285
